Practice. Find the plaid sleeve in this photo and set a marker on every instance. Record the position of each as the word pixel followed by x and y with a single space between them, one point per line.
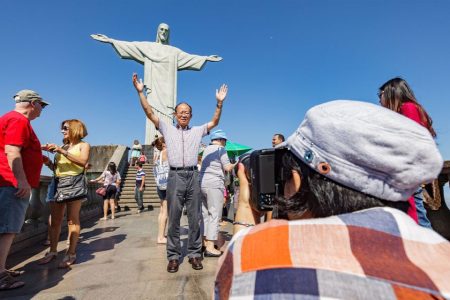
pixel 379 253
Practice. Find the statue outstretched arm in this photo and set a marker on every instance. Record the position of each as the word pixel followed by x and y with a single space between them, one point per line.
pixel 221 94
pixel 214 58
pixel 139 86
pixel 101 38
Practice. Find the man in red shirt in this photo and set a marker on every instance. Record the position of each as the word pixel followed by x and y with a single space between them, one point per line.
pixel 20 168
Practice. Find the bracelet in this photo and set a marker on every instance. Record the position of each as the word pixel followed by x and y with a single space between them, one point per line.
pixel 243 224
pixel 219 106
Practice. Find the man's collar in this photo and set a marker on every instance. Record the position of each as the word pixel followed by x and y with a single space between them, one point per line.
pixel 179 127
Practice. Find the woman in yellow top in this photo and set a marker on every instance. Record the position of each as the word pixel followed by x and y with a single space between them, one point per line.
pixel 70 160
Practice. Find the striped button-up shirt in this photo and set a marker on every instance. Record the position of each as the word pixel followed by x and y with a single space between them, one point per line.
pixel 182 144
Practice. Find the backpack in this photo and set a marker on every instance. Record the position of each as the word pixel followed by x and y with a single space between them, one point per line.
pixel 142 158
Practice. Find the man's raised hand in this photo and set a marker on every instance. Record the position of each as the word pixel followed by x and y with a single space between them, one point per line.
pixel 221 94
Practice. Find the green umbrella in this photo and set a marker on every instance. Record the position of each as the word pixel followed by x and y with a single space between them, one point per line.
pixel 234 149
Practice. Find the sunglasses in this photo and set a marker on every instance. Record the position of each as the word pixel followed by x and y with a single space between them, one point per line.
pixel 43 105
pixel 65 128
pixel 380 93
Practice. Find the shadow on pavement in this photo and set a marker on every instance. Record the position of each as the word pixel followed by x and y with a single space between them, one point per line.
pixel 42 277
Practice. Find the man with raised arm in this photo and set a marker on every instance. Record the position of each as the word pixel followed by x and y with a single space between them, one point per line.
pixel 161 64
pixel 183 187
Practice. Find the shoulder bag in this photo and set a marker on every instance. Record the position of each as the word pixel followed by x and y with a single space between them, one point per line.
pixel 70 188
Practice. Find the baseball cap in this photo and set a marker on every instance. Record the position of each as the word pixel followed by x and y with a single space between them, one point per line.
pixel 29 96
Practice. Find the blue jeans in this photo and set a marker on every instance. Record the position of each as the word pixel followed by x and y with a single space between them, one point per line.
pixel 139 197
pixel 421 211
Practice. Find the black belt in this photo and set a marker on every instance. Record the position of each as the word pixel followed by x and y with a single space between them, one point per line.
pixel 193 168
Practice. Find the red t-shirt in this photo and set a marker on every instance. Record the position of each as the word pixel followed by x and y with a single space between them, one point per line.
pixel 16 130
pixel 410 110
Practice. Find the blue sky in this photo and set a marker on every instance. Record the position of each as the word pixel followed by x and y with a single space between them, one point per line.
pixel 280 58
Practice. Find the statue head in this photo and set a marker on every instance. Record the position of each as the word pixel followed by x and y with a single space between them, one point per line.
pixel 162 34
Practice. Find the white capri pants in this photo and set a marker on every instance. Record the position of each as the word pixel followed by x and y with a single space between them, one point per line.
pixel 212 206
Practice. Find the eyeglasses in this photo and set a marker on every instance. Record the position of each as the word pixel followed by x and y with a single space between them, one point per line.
pixel 380 93
pixel 43 105
pixel 65 128
pixel 184 113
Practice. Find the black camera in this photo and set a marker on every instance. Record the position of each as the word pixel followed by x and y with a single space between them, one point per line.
pixel 263 169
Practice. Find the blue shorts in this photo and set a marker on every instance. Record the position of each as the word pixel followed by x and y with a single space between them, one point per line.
pixel 161 194
pixel 12 210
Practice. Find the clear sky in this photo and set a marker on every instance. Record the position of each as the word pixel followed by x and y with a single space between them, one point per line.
pixel 280 58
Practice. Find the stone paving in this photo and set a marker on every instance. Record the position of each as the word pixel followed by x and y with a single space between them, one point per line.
pixel 116 259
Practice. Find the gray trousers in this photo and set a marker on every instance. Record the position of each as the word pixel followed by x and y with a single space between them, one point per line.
pixel 183 188
pixel 212 207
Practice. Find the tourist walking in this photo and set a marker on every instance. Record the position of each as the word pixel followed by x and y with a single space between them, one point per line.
pixel 212 182
pixel 183 187
pixel 396 95
pixel 71 188
pixel 111 182
pixel 140 187
pixel 161 175
pixel 136 151
pixel 21 162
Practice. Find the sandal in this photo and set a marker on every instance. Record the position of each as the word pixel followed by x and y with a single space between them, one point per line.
pixel 7 282
pixel 68 260
pixel 49 256
pixel 15 273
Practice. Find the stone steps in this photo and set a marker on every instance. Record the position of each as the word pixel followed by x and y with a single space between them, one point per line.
pixel 151 198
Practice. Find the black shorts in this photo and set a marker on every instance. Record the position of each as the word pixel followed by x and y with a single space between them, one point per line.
pixel 111 191
pixel 161 194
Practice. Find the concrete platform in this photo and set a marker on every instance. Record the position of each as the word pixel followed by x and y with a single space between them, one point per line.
pixel 116 259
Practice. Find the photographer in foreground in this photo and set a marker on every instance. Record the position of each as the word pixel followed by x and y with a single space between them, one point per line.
pixel 344 170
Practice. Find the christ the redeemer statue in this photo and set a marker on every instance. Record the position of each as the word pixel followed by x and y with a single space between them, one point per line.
pixel 161 64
